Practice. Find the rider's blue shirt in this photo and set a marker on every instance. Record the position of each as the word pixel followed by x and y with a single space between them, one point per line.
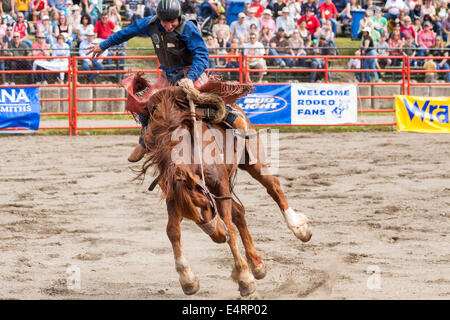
pixel 191 35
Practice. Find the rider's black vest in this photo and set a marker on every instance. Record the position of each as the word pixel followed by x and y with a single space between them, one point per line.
pixel 171 51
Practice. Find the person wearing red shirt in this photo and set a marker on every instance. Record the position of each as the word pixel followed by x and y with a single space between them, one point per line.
pixel 104 27
pixel 259 8
pixel 37 6
pixel 312 23
pixel 328 11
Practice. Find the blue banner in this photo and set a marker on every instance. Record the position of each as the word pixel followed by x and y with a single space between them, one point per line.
pixel 268 104
pixel 20 108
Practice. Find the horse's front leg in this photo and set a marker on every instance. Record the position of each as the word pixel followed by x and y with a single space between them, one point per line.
pixel 240 272
pixel 189 282
pixel 296 222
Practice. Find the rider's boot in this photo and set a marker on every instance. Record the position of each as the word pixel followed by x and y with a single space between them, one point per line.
pixel 140 150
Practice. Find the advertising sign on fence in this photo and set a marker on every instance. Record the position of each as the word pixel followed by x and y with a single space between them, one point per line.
pixel 20 108
pixel 301 104
pixel 422 114
pixel 268 104
pixel 323 103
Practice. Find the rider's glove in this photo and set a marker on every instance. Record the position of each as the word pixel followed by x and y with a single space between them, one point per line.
pixel 186 83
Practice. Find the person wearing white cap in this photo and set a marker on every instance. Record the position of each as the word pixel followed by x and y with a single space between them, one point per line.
pixel 240 27
pixel 286 22
pixel 267 20
pixel 252 19
pixel 90 64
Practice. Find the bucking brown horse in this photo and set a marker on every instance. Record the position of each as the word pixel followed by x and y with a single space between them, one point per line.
pixel 197 184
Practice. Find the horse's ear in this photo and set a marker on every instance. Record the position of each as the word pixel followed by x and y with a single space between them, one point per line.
pixel 191 181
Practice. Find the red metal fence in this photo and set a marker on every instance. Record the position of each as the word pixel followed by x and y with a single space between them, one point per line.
pixel 74 71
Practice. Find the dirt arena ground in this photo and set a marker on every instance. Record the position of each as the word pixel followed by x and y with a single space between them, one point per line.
pixel 377 202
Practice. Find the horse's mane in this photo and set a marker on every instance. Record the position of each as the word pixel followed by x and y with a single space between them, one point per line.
pixel 165 119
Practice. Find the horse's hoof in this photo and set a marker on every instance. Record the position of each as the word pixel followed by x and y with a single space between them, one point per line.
pixel 303 232
pixel 259 270
pixel 191 288
pixel 246 289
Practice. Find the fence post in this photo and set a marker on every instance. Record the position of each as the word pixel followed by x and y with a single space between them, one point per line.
pixel 247 75
pixel 75 86
pixel 404 68
pixel 240 68
pixel 326 70
pixel 69 94
pixel 408 75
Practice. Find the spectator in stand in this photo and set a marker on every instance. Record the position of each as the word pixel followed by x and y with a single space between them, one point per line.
pixel 46 28
pixel 328 11
pixel 88 7
pixel 286 22
pixel 114 15
pixel 442 15
pixel 382 49
pixel 18 49
pixel 54 18
pixel 296 46
pixel 56 5
pixel 22 6
pixel 232 62
pixel 368 50
pixel 294 9
pixel 425 39
pixel 221 25
pixel 305 34
pixel 267 20
pixel 369 6
pixel 355 63
pixel 326 32
pixel 409 49
pixel 322 48
pixel 395 44
pixel 37 6
pixel 3 27
pixel 417 27
pixel 366 22
pixel 341 6
pixel 240 27
pixel 8 37
pixel 134 9
pixel 213 49
pixel 64 28
pixel 104 27
pixel 223 44
pixel 446 28
pixel 255 48
pixel 311 4
pixel 279 46
pixel 393 8
pixel 346 14
pixel 59 49
pixel 7 8
pixel 75 20
pixel 430 65
pixel 40 49
pixel 441 64
pixel 265 35
pixel 407 28
pixel 83 28
pixel 259 8
pixel 90 64
pixel 428 9
pixel 3 63
pixel 21 26
pixel 379 22
pixel 312 23
pixel 252 19
pixel 67 10
pixel 278 7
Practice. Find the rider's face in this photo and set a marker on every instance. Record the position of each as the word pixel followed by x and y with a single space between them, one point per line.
pixel 169 26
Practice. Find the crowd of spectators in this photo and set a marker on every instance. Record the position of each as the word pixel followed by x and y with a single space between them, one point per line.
pixel 288 29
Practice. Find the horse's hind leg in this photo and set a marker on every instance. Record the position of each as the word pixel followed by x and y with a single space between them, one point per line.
pixel 240 272
pixel 253 258
pixel 189 282
pixel 296 222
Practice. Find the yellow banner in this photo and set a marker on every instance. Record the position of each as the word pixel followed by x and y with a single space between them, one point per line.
pixel 422 114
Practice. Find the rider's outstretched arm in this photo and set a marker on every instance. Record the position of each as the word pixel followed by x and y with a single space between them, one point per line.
pixel 139 28
pixel 195 43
